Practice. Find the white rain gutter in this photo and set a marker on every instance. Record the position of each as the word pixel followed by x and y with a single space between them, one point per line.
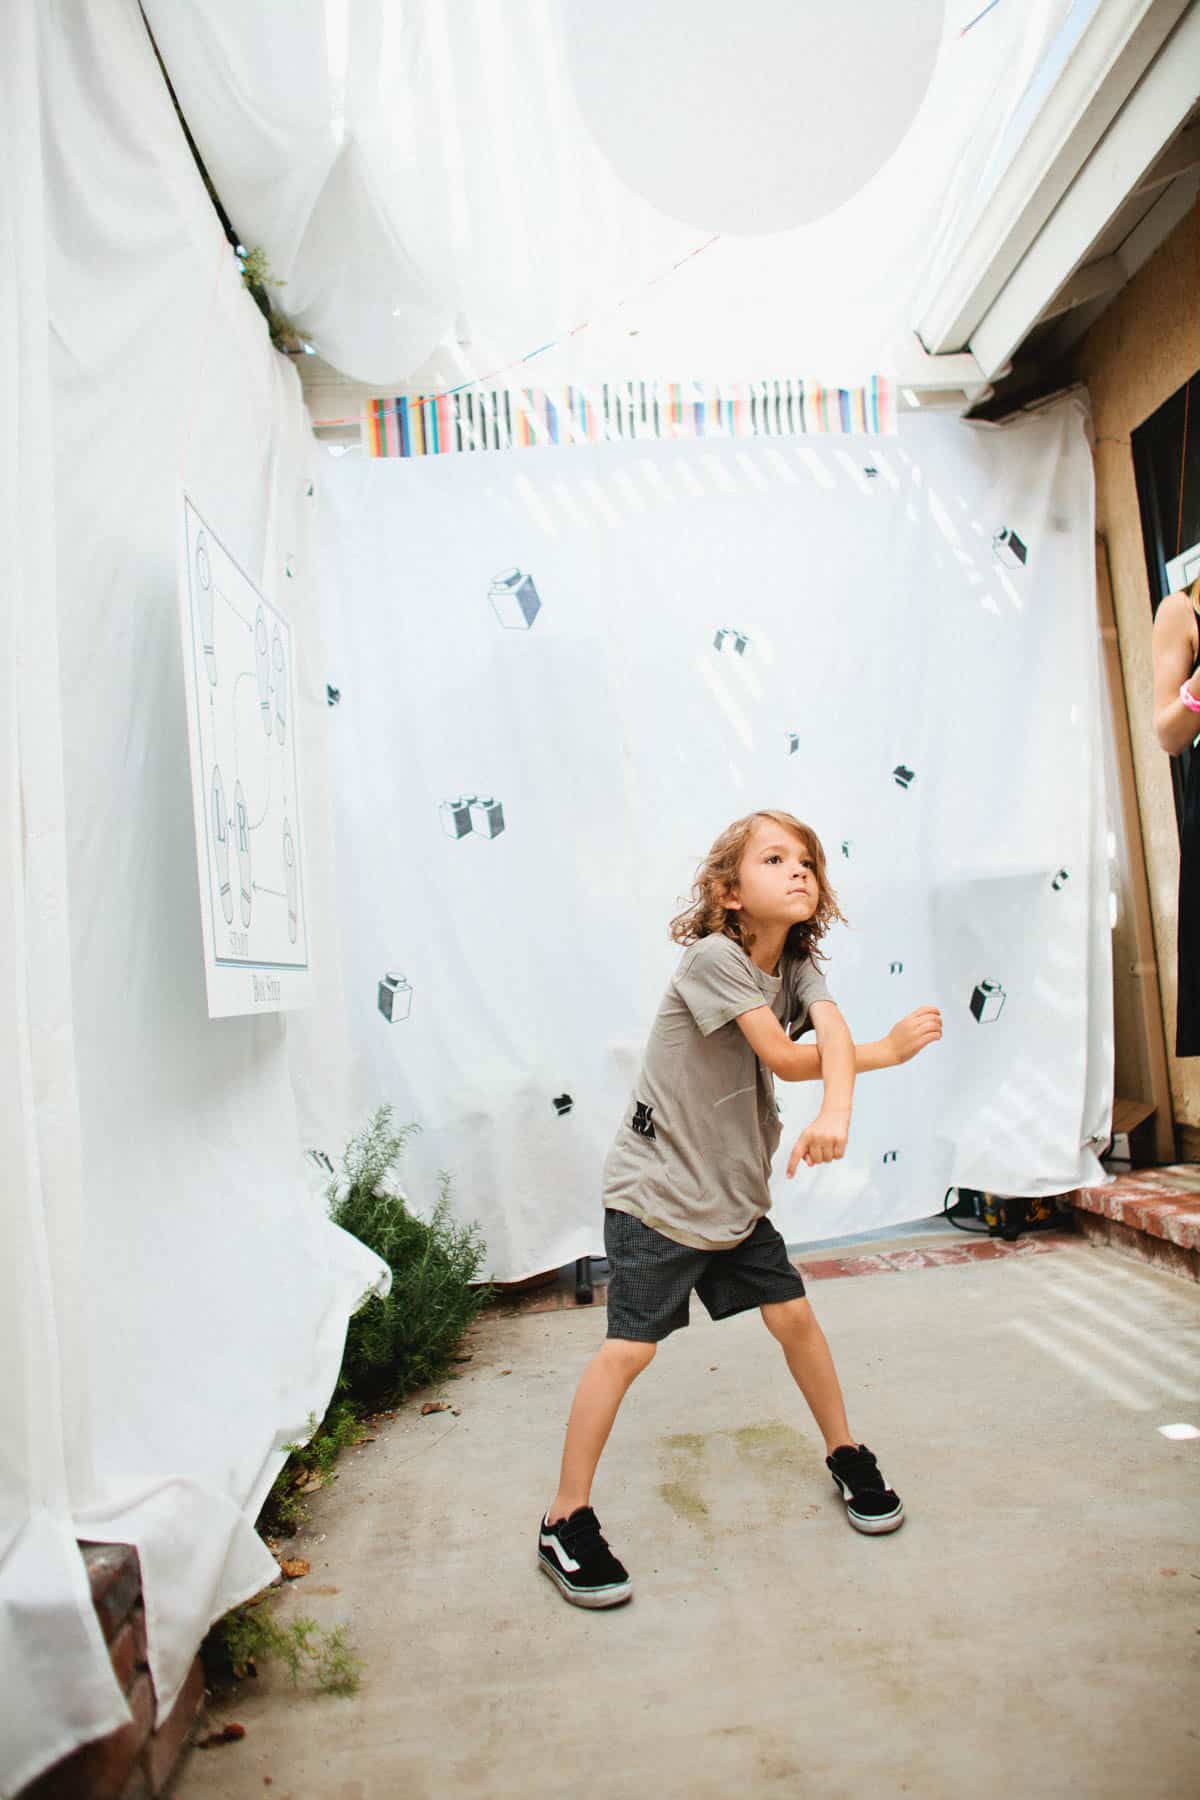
pixel 1122 93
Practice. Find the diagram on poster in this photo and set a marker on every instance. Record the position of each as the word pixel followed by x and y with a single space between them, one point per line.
pixel 238 662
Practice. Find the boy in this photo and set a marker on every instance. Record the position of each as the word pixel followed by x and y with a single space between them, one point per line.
pixel 686 1181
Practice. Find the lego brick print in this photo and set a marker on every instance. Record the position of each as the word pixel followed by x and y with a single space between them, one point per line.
pixel 480 815
pixel 736 639
pixel 987 1002
pixel 514 600
pixel 395 997
pixel 1009 548
pixel 455 816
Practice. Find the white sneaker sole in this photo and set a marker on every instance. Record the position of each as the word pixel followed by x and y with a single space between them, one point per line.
pixel 594 1598
pixel 876 1527
pixel 872 1527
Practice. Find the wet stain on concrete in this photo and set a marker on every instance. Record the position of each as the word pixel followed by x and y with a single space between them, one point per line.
pixel 783 1459
pixel 688 1443
pixel 684 1502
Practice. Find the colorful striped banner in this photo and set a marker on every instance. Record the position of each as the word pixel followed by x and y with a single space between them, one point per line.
pixel 521 418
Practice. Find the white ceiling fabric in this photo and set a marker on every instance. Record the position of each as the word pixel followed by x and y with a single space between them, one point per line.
pixel 420 174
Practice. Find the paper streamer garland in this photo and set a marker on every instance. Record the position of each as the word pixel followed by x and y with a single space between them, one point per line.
pixel 519 418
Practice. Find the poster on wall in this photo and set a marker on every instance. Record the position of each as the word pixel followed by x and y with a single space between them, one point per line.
pixel 238 661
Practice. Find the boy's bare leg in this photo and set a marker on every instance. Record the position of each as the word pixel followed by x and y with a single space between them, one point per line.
pixel 602 1387
pixel 794 1324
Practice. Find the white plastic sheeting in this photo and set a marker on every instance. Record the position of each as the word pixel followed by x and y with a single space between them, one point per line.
pixel 926 697
pixel 446 188
pixel 174 1302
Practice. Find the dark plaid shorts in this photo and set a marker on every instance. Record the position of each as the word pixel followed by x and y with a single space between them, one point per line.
pixel 651 1277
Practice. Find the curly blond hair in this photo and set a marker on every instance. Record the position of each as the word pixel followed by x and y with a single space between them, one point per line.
pixel 707 912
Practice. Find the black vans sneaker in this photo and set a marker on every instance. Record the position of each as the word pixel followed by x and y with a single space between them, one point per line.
pixel 575 1556
pixel 870 1503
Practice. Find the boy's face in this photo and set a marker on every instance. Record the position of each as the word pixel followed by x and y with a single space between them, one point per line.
pixel 777 877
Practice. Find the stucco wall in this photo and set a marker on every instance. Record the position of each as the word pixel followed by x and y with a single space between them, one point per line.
pixel 1143 347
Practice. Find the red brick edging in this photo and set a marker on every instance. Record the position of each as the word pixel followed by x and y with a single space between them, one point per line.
pixel 135 1761
pixel 825 1268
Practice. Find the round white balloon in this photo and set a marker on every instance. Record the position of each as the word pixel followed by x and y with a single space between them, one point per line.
pixel 750 116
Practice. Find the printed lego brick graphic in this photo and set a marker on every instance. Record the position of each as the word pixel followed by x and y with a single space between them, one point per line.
pixel 1060 881
pixel 793 742
pixel 903 777
pixel 487 815
pixel 455 816
pixel 479 814
pixel 847 848
pixel 562 1104
pixel 727 635
pixel 1009 548
pixel 395 997
pixel 514 600
pixel 332 695
pixel 987 1002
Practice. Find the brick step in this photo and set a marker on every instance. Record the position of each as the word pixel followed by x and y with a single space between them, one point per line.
pixel 135 1762
pixel 1153 1214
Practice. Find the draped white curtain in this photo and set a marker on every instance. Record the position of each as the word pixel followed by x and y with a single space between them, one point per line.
pixel 446 188
pixel 58 1686
pixel 174 1302
pixel 924 696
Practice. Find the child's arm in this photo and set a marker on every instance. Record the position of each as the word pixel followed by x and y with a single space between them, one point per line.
pixel 835 1047
pixel 835 1052
pixel 907 1036
pixel 803 1062
pixel 825 1139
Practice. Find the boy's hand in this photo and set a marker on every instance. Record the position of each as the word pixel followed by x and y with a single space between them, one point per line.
pixel 821 1142
pixel 913 1033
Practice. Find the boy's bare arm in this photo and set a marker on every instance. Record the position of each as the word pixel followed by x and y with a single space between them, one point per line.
pixel 802 1062
pixel 835 1047
pixel 878 1055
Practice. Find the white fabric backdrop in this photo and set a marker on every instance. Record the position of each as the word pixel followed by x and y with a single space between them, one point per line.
pixel 174 1302
pixel 882 629
pixel 411 168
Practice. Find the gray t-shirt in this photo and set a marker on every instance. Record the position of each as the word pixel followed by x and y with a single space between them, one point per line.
pixel 692 1156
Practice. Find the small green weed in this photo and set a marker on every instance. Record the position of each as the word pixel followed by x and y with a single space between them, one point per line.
pixel 250 1635
pixel 283 1511
pixel 256 279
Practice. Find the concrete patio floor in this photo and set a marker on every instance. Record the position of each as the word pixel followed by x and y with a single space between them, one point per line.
pixel 1032 1630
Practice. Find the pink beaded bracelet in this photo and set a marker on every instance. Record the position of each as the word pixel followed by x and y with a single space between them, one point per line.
pixel 1189 699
